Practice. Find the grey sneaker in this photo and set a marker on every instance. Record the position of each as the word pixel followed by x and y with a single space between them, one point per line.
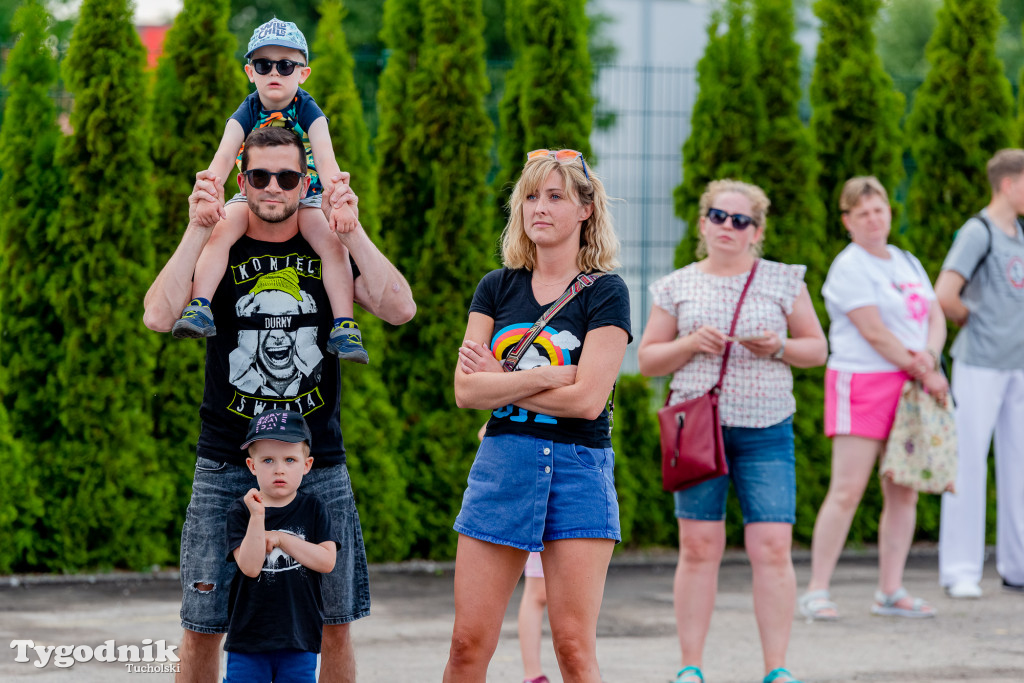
pixel 347 344
pixel 196 322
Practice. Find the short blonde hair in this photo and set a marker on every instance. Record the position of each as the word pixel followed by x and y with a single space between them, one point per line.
pixel 599 247
pixel 858 188
pixel 759 204
pixel 1005 164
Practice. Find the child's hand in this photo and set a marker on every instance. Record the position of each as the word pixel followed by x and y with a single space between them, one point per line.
pixel 206 203
pixel 254 501
pixel 343 219
pixel 209 213
pixel 338 193
pixel 273 540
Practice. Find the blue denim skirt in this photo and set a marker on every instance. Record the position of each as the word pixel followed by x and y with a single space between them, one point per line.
pixel 524 490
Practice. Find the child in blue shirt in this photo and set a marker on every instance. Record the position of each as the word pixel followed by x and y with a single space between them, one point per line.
pixel 277 64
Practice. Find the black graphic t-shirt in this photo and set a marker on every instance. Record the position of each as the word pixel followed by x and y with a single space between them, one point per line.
pixel 507 296
pixel 283 607
pixel 273 321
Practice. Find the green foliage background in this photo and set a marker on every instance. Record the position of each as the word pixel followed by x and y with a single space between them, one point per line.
pixel 725 128
pixel 98 418
pixel 198 83
pixel 30 330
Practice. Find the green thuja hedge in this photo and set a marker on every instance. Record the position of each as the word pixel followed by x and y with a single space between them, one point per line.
pixel 855 108
pixel 441 241
pixel 108 498
pixel 962 115
pixel 30 330
pixel 369 418
pixel 198 84
pixel 725 124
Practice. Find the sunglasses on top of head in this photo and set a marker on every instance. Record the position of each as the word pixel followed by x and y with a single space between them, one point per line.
pixel 740 221
pixel 562 156
pixel 285 67
pixel 286 180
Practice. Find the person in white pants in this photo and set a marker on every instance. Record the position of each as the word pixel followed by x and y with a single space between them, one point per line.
pixel 981 289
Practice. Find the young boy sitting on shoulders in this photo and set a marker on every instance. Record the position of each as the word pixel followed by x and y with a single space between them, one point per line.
pixel 277 64
pixel 282 541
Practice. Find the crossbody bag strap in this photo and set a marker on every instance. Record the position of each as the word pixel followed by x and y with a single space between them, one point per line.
pixel 732 328
pixel 582 280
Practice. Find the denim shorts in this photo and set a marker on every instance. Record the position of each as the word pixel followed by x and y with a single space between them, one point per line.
pixel 204 552
pixel 279 666
pixel 524 490
pixel 763 470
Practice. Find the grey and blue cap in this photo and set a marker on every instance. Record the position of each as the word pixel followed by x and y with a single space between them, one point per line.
pixel 280 33
pixel 278 425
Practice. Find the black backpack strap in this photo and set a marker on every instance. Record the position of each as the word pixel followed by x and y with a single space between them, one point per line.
pixel 988 247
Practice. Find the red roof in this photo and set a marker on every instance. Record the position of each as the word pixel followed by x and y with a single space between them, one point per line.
pixel 153 39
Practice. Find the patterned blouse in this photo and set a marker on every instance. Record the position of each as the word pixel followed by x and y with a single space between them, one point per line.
pixel 756 392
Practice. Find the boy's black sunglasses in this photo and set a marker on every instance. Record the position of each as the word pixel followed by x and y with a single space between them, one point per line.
pixel 740 221
pixel 260 178
pixel 285 67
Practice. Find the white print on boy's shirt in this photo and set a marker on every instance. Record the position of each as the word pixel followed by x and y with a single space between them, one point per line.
pixel 1015 272
pixel 277 560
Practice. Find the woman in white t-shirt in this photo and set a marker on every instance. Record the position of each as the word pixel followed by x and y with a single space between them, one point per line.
pixel 886 327
pixel 684 337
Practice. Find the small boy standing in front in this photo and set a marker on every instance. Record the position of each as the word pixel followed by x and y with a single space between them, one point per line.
pixel 277 64
pixel 282 541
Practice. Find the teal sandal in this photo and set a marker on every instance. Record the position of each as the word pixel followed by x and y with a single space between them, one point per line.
pixel 689 674
pixel 780 675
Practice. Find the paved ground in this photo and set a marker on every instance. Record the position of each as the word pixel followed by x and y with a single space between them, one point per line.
pixel 406 638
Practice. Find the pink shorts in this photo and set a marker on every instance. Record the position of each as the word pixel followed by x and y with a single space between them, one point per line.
pixel 862 403
pixel 534 568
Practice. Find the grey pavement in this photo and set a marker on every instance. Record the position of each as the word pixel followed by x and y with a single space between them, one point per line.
pixel 406 638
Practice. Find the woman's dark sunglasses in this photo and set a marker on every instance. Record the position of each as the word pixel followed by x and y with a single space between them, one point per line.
pixel 739 221
pixel 260 178
pixel 285 67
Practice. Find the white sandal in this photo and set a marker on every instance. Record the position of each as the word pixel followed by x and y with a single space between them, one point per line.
pixel 885 605
pixel 816 605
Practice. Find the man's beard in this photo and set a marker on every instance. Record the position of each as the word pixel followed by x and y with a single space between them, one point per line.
pixel 280 213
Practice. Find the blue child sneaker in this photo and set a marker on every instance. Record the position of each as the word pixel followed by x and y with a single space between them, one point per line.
pixel 196 322
pixel 346 342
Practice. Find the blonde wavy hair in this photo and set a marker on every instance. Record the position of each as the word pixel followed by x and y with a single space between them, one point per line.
pixel 599 247
pixel 759 204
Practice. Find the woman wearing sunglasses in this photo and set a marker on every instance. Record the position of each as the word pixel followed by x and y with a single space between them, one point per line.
pixel 686 336
pixel 542 480
pixel 886 327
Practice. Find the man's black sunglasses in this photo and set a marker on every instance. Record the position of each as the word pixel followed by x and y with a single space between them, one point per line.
pixel 260 178
pixel 285 67
pixel 740 221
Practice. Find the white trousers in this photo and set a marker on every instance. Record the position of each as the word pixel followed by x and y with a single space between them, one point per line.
pixel 987 400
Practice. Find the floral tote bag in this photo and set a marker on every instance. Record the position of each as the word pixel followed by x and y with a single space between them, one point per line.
pixel 921 451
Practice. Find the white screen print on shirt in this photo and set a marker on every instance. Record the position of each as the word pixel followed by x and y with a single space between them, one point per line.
pixel 551 347
pixel 278 364
pixel 277 560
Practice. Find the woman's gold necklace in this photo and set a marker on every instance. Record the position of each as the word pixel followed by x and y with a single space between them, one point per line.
pixel 552 284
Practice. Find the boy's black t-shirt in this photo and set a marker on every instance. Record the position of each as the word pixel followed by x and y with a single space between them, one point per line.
pixel 273 320
pixel 507 296
pixel 283 608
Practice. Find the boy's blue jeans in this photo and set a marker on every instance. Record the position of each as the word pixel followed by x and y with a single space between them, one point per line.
pixel 280 666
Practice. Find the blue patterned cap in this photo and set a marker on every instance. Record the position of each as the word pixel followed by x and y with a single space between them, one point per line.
pixel 280 33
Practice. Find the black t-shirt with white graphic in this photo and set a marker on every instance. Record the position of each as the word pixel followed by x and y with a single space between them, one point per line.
pixel 282 608
pixel 507 296
pixel 273 321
